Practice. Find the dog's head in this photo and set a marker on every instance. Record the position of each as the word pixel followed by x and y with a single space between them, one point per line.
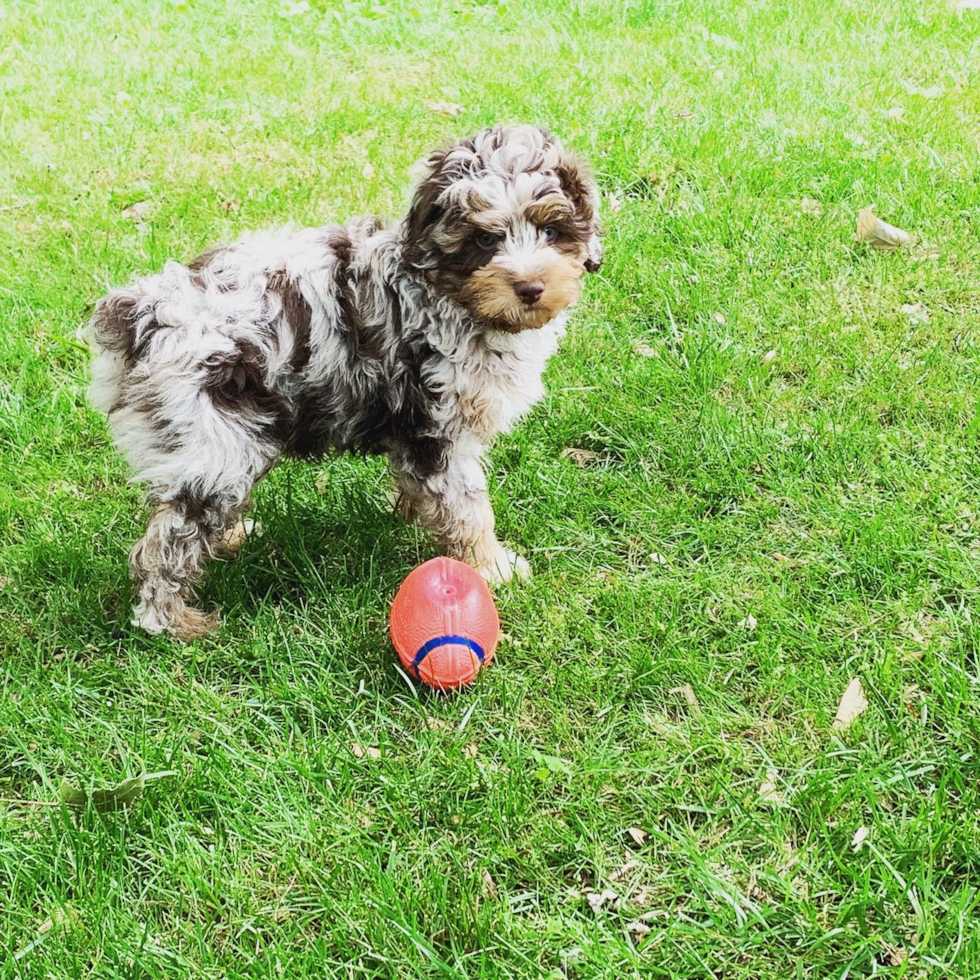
pixel 505 223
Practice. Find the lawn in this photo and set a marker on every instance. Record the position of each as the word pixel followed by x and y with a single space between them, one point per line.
pixel 778 494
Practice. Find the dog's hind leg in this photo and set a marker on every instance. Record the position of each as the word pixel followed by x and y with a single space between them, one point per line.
pixel 181 535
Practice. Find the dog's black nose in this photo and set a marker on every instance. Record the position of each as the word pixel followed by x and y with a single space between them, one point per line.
pixel 529 290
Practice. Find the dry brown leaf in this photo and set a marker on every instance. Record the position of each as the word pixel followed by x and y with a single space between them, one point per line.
pixel 638 836
pixel 895 112
pixel 811 207
pixel 683 114
pixel 434 724
pixel 852 703
pixel 232 204
pixel 580 457
pixel 720 318
pixel 749 623
pixel 687 693
pixel 627 869
pixel 915 312
pixel 615 204
pixel 644 349
pixel 470 750
pixel 768 793
pixel 897 955
pixel 871 230
pixel 365 751
pixel 445 108
pixel 860 836
pixel 489 885
pixel 638 929
pixel 768 357
pixel 137 211
pixel 913 697
pixel 657 558
pixel 368 170
pixel 597 900
pixel 5 581
pixel 927 92
pixel 644 896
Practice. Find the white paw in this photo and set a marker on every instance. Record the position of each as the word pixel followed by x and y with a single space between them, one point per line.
pixel 505 566
pixel 232 540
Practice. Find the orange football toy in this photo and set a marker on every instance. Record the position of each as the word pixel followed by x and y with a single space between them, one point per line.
pixel 444 623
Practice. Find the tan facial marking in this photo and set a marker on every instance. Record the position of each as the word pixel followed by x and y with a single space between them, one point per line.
pixel 489 291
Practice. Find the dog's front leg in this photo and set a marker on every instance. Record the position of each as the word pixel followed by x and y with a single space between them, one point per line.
pixel 452 504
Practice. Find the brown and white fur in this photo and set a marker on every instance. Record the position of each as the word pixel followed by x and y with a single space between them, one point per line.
pixel 420 341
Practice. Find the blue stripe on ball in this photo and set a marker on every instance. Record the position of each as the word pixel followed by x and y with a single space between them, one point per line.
pixel 443 641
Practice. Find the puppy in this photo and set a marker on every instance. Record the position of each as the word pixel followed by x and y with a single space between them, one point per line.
pixel 419 341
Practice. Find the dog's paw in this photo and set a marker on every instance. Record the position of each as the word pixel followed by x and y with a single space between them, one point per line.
pixel 176 618
pixel 230 543
pixel 504 566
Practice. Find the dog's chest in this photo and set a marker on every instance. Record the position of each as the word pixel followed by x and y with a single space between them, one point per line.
pixel 501 384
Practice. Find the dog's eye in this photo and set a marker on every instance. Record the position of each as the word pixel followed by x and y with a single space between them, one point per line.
pixel 550 233
pixel 486 240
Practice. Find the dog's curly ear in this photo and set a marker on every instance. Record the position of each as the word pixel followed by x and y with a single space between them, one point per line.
pixel 424 211
pixel 579 186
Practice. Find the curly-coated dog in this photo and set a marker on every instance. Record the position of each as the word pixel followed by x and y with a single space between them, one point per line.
pixel 419 341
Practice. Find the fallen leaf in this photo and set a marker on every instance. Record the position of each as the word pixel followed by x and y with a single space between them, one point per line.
pixel 137 211
pixel 932 92
pixel 580 457
pixel 720 318
pixel 644 896
pixel 597 900
pixel 860 836
pixel 445 108
pixel 322 482
pixel 638 929
pixel 643 349
pixel 434 724
pixel 615 204
pixel 657 558
pixel 768 357
pixel 811 207
pixel 5 581
pixel 687 693
pixel 114 798
pixel 872 231
pixel 723 41
pixel 749 623
pixel 916 312
pixel 123 98
pixel 913 698
pixel 365 751
pixel 235 537
pixel 627 869
pixel 368 171
pixel 638 836
pixel 768 793
pixel 895 112
pixel 683 114
pixel 231 204
pixel 470 750
pixel 897 955
pixel 852 703
pixel 489 885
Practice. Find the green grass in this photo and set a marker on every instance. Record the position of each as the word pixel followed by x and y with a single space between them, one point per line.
pixel 829 491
